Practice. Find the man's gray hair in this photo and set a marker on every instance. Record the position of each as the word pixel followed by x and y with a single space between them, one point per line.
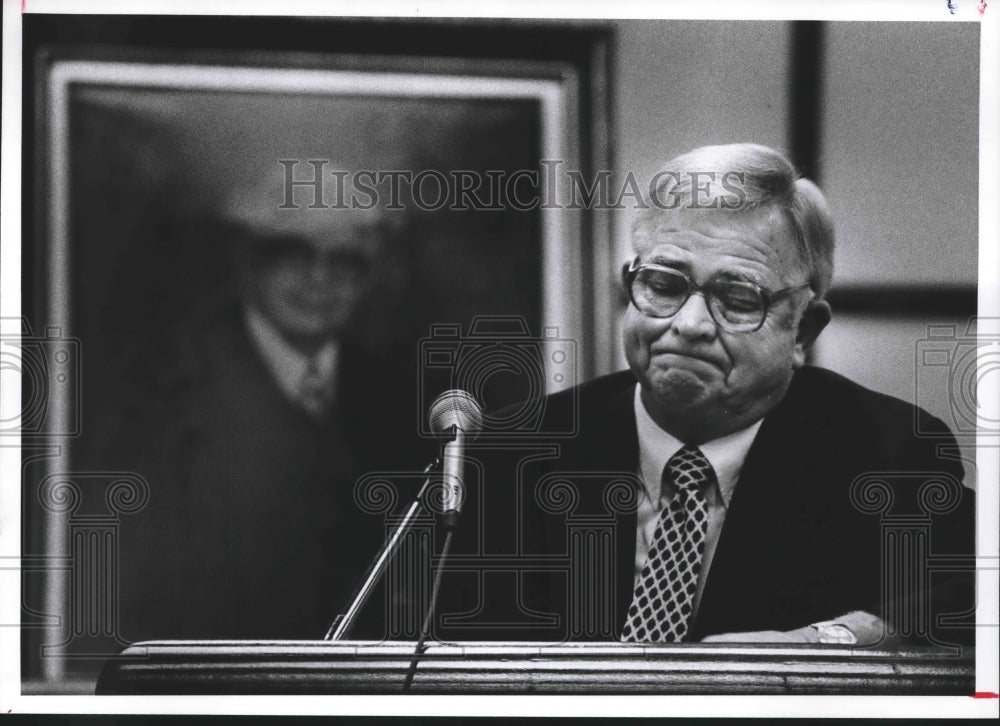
pixel 743 177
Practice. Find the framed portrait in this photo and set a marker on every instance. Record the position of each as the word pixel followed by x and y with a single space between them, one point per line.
pixel 142 153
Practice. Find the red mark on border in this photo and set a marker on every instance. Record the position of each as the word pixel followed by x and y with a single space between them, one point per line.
pixel 985 694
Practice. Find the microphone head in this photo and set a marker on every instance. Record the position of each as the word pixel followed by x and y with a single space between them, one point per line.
pixel 456 408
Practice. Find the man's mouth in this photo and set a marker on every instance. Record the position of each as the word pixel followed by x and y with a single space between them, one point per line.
pixel 674 356
pixel 313 303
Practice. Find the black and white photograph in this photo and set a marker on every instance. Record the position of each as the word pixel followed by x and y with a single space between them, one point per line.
pixel 643 352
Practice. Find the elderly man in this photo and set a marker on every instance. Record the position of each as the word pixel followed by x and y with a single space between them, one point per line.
pixel 252 421
pixel 740 479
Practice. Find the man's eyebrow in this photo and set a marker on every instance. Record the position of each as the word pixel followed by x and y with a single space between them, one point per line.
pixel 661 259
pixel 733 276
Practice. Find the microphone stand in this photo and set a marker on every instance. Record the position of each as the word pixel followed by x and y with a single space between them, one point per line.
pixel 454 493
pixel 345 621
pixel 450 523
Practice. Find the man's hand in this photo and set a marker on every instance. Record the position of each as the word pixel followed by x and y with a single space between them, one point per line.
pixel 868 629
pixel 807 634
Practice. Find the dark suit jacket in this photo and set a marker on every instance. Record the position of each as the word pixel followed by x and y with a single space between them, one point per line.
pixel 251 530
pixel 797 547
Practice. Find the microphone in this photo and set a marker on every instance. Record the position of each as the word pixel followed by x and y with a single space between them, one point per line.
pixel 457 417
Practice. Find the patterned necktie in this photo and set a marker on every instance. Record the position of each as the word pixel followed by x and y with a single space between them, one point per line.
pixel 662 603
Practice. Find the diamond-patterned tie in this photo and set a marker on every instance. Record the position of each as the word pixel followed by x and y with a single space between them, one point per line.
pixel 664 596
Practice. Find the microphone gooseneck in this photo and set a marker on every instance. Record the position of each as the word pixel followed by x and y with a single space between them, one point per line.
pixel 455 417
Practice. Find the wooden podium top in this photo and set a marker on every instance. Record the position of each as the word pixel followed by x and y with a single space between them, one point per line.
pixel 363 667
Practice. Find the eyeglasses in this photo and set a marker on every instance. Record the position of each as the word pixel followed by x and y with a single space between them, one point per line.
pixel 736 306
pixel 299 254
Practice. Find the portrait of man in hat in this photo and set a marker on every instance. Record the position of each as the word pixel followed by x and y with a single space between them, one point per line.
pixel 251 421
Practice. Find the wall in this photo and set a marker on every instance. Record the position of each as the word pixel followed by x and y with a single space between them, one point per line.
pixel 900 169
pixel 682 84
pixel 900 161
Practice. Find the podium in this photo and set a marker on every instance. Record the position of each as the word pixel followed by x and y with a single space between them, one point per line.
pixel 365 667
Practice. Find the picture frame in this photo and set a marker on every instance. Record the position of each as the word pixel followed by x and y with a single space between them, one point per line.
pixel 138 148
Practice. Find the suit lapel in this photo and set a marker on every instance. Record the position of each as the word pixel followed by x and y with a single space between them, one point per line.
pixel 609 447
pixel 783 459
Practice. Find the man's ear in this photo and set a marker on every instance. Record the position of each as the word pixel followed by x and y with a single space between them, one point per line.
pixel 814 318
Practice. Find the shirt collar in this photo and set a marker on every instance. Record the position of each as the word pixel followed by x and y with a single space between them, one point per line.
pixel 656 446
pixel 287 364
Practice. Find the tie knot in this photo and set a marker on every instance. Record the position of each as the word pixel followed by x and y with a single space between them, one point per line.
pixel 688 470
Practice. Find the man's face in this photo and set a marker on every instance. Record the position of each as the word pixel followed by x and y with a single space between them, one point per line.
pixel 699 381
pixel 308 288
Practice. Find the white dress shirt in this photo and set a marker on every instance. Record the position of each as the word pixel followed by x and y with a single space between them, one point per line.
pixel 287 365
pixel 656 447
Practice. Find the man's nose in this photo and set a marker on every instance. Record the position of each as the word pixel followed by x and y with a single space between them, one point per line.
pixel 319 272
pixel 694 320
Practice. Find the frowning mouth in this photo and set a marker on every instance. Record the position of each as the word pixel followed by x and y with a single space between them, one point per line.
pixel 674 358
